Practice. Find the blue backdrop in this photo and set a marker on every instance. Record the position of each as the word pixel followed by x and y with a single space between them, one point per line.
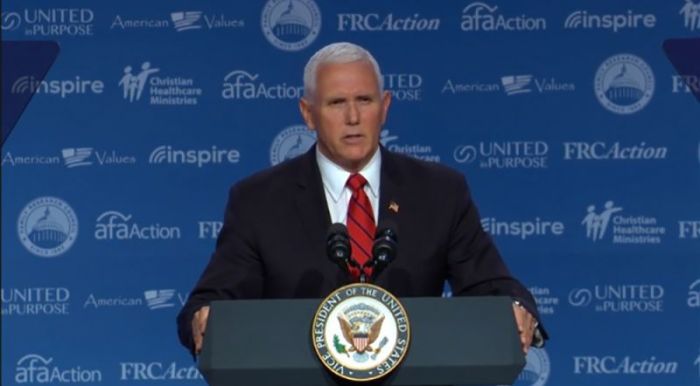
pixel 580 140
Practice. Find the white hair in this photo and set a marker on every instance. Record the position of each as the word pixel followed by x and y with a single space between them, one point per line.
pixel 342 52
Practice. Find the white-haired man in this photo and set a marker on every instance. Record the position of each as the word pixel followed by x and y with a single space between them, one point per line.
pixel 273 242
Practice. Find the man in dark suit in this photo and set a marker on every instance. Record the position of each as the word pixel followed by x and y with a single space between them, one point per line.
pixel 273 241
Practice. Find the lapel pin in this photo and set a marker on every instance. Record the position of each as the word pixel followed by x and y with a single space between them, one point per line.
pixel 393 207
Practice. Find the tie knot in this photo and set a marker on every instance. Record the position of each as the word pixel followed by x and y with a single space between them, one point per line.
pixel 356 182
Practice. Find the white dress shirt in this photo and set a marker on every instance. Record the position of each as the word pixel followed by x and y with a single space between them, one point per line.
pixel 338 194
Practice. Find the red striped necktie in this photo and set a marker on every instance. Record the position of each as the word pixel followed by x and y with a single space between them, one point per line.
pixel 360 223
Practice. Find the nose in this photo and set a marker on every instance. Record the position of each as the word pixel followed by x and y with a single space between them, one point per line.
pixel 352 114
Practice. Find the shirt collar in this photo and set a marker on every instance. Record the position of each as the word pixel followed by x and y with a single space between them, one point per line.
pixel 334 177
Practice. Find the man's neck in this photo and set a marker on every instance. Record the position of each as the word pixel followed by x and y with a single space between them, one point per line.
pixel 348 167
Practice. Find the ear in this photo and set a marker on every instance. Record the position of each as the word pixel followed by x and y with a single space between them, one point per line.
pixel 305 109
pixel 386 102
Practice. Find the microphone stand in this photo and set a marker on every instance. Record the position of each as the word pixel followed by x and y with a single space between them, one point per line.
pixel 363 275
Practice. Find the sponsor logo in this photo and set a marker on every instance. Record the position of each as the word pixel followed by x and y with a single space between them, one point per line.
pixel 694 294
pixel 74 157
pixel 11 159
pixel 114 225
pixel 504 155
pixel 516 84
pixel 34 368
pixel 170 91
pixel 63 88
pixel 33 301
pixel 47 227
pixel 153 299
pixel 290 143
pixel 546 301
pixel 157 371
pixel 613 365
pixel 11 21
pixel 374 22
pixel 209 229
pixel 624 84
pixel 77 156
pixel 523 84
pixel 691 15
pixel 291 25
pixel 619 298
pixel 159 298
pixel 404 87
pixel 165 154
pixel 50 22
pixel 635 229
pixel 360 332
pixel 689 229
pixel 455 87
pixel 239 84
pixel 511 85
pixel 537 368
pixel 615 22
pixel 480 16
pixel 685 84
pixel 697 363
pixel 523 229
pixel 186 20
pixel 424 152
pixel 179 21
pixel 601 151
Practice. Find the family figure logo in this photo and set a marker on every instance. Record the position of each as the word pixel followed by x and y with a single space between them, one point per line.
pixel 597 223
pixel 691 15
pixel 133 85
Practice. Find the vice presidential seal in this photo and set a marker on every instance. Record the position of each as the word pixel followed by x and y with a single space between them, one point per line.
pixel 360 332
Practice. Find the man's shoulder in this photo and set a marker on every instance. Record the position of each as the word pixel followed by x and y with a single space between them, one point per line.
pixel 274 179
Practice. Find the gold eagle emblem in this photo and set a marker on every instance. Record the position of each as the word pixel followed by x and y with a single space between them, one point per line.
pixel 361 335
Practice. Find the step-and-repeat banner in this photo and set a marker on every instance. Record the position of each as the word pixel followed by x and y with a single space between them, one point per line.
pixel 580 141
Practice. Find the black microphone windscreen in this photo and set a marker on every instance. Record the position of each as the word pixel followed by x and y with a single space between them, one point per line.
pixel 387 227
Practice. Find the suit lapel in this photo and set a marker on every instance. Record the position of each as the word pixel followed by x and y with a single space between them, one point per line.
pixel 390 189
pixel 311 200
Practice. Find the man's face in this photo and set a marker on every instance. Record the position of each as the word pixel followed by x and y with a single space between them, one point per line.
pixel 347 112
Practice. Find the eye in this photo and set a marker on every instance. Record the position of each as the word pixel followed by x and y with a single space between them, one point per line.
pixel 336 101
pixel 365 99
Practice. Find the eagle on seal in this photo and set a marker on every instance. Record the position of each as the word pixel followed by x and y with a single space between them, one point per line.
pixel 361 334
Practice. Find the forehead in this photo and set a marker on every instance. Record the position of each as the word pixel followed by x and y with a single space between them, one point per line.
pixel 357 76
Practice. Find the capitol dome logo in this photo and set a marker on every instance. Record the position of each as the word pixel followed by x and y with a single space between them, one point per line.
pixel 624 84
pixel 47 227
pixel 291 25
pixel 291 142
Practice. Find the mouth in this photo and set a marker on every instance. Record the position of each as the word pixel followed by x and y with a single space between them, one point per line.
pixel 353 138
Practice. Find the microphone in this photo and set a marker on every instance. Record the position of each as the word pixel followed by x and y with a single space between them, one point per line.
pixel 338 246
pixel 385 247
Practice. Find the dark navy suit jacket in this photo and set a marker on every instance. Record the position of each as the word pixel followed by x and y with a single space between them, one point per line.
pixel 273 240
